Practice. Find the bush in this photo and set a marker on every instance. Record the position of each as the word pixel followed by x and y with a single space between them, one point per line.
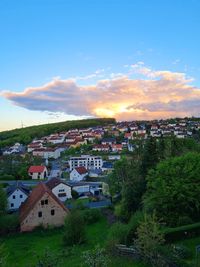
pixel 75 194
pixel 91 215
pixel 133 224
pixel 118 232
pixel 7 177
pixel 74 232
pixel 9 223
pixel 182 232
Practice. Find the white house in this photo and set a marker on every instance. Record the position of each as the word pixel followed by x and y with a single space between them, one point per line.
pixel 60 189
pixel 38 172
pixel 78 174
pixel 87 161
pixel 16 195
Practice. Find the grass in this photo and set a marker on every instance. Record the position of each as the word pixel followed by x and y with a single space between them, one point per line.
pixel 25 248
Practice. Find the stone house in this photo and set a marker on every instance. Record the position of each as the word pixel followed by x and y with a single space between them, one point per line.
pixel 42 208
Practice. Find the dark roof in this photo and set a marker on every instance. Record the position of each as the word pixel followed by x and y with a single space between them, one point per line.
pixel 34 197
pixel 54 182
pixel 17 185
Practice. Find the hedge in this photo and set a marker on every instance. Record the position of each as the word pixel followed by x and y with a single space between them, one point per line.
pixel 9 223
pixel 182 232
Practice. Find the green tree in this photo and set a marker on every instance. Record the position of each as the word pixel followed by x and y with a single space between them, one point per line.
pixel 173 189
pixel 3 201
pixel 150 156
pixel 149 239
pixel 74 229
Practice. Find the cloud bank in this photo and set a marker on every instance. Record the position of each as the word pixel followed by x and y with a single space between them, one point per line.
pixel 157 94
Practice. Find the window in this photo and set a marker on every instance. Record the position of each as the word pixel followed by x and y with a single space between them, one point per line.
pixel 42 202
pixel 13 196
pixel 39 214
pixel 52 212
pixel 21 196
pixel 12 205
pixel 46 201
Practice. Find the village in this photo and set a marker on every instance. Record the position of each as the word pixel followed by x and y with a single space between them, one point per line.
pixel 75 165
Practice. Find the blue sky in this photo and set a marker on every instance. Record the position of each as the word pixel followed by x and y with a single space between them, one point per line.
pixel 69 39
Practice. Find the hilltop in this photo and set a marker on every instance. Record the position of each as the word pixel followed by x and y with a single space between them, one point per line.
pixel 25 135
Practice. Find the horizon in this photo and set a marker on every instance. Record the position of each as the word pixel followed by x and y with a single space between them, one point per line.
pixel 69 60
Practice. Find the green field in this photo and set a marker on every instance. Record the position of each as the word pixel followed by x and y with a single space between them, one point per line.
pixel 24 248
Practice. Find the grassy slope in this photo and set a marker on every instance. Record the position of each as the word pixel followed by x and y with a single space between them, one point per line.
pixel 23 248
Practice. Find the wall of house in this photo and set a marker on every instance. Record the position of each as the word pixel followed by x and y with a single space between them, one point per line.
pixel 76 177
pixel 32 220
pixel 61 189
pixel 16 198
pixel 41 176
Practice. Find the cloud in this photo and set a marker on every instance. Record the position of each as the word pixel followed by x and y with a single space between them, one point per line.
pixel 159 94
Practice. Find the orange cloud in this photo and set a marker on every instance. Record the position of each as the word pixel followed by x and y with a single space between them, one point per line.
pixel 160 94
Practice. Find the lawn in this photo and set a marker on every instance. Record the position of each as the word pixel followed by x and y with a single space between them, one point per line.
pixel 24 248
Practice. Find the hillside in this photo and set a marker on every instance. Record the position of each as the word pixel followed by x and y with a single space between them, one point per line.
pixel 25 135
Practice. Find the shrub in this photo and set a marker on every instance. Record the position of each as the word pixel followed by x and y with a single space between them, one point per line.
pixel 48 259
pixel 9 223
pixel 118 232
pixel 75 194
pixel 133 224
pixel 96 257
pixel 74 232
pixel 91 215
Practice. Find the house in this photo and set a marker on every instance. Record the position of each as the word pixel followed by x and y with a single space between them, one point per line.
pixel 95 173
pixel 114 157
pixel 60 189
pixel 116 147
pixel 34 146
pixel 107 166
pixel 128 135
pixel 38 172
pixel 17 148
pixel 89 162
pixel 16 195
pixel 101 148
pixel 87 188
pixel 47 153
pixel 78 174
pixel 41 208
pixel 108 141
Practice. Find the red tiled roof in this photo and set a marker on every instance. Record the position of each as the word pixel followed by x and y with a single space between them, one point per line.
pixel 36 169
pixel 81 170
pixel 34 197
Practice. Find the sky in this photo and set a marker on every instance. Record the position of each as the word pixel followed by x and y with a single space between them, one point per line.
pixel 72 59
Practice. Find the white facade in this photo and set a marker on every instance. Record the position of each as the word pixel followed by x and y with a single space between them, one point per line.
pixel 62 191
pixel 75 176
pixel 15 199
pixel 89 162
